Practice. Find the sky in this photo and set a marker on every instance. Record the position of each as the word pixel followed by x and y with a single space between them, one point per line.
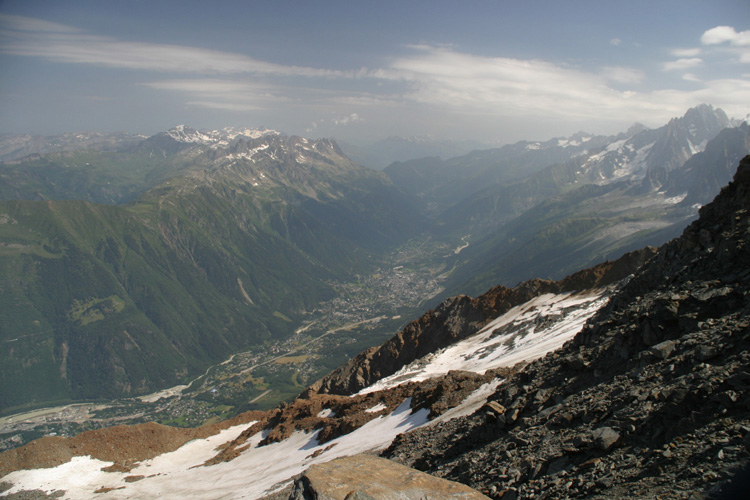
pixel 493 71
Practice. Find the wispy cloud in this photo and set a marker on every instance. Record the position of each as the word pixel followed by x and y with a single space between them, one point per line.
pixel 448 77
pixel 222 93
pixel 513 87
pixel 434 80
pixel 31 37
pixel 23 24
pixel 624 75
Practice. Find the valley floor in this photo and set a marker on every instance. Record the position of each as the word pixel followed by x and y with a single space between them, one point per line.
pixel 364 313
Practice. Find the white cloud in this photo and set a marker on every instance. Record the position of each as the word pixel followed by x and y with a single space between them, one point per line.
pixel 616 42
pixel 354 117
pixel 684 63
pixel 473 85
pixel 30 24
pixel 739 42
pixel 442 76
pixel 225 106
pixel 723 34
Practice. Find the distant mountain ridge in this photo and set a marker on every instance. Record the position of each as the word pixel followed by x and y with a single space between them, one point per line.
pixel 382 153
pixel 14 147
pixel 194 244
pixel 611 195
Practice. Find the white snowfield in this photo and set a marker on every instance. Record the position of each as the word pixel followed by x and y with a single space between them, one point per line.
pixel 183 133
pixel 524 333
pixel 179 474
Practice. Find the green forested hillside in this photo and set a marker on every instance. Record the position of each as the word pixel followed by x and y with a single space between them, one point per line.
pixel 106 301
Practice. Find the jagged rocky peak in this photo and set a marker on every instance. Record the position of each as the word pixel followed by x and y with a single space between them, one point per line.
pixel 576 139
pixel 284 148
pixel 705 121
pixel 634 129
pixel 185 134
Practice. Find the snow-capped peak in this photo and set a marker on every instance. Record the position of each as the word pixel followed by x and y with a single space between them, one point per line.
pixel 225 136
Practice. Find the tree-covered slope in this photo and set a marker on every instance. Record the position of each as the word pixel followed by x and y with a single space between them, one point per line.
pixel 105 301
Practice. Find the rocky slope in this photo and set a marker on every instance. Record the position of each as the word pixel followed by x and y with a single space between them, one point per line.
pixel 650 400
pixel 459 317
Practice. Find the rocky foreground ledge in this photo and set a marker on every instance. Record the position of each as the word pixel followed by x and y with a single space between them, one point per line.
pixel 367 477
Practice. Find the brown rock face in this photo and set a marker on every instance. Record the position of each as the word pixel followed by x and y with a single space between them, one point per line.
pixel 371 477
pixel 124 445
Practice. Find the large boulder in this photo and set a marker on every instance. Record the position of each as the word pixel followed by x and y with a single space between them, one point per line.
pixel 367 477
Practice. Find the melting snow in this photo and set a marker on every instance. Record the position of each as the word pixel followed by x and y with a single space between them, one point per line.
pixel 617 145
pixel 178 475
pixel 524 333
pixel 675 199
pixel 378 407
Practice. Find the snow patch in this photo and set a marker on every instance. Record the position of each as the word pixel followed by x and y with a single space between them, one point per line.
pixel 216 138
pixel 673 200
pixel 617 145
pixel 472 403
pixel 257 471
pixel 378 407
pixel 524 333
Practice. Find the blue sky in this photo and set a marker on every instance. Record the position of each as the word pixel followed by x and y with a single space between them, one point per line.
pixel 359 70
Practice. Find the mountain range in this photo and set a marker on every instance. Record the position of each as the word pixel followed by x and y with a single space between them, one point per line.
pixel 135 267
pixel 625 380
